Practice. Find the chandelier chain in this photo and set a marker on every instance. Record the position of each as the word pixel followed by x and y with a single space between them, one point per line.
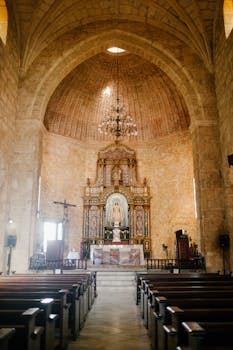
pixel 118 122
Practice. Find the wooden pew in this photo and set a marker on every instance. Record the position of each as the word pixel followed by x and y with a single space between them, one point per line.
pixel 60 307
pixel 208 336
pixel 188 279
pixel 27 335
pixel 81 295
pixel 46 319
pixel 161 315
pixel 158 312
pixel 5 335
pixel 150 292
pixel 74 298
pixel 75 278
pixel 174 334
pixel 87 280
pixel 139 277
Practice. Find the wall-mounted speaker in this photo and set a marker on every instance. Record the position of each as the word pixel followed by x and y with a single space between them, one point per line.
pixel 224 240
pixel 11 241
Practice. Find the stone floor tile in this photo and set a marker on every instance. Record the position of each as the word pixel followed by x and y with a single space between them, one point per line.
pixel 114 323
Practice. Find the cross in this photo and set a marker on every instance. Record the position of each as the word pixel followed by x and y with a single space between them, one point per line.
pixel 65 205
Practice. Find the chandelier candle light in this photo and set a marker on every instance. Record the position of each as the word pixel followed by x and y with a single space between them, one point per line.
pixel 118 122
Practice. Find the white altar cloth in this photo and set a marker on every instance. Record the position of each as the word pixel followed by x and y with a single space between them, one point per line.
pixel 117 254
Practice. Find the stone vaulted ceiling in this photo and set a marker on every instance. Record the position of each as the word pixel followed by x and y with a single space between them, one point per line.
pixel 86 95
pixel 181 30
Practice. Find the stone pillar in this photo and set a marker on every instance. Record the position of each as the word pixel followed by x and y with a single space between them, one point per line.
pixel 209 191
pixel 25 173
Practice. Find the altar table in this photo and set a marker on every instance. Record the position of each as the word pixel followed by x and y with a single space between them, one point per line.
pixel 117 254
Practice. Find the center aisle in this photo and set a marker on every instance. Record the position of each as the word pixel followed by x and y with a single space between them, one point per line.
pixel 114 322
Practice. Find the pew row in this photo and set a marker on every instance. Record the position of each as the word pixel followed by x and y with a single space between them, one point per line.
pixel 208 336
pixel 27 335
pixel 5 335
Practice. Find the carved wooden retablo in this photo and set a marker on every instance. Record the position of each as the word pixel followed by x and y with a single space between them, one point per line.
pixel 116 201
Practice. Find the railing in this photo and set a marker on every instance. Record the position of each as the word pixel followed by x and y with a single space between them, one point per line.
pixel 197 263
pixel 65 264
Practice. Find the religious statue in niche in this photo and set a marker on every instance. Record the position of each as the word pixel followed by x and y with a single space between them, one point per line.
pixel 116 175
pixel 116 211
pixel 116 215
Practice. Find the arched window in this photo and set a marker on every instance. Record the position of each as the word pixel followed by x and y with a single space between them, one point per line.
pixel 228 16
pixel 3 21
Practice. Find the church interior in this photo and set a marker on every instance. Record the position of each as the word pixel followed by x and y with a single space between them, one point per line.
pixel 59 82
pixel 116 132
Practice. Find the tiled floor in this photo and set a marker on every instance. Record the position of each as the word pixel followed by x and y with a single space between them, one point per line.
pixel 114 323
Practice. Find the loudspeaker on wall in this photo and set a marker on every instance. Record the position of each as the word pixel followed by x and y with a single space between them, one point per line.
pixel 224 240
pixel 11 241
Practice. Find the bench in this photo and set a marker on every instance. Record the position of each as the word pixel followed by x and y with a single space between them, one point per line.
pixel 27 335
pixel 75 297
pixel 46 319
pixel 5 335
pixel 174 334
pixel 199 286
pixel 161 314
pixel 208 336
pixel 60 307
pixel 179 279
pixel 139 277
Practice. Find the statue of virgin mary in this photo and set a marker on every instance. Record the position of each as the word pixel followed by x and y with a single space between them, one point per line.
pixel 116 215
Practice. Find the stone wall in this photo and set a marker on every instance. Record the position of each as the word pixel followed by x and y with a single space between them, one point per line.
pixel 167 164
pixel 224 86
pixel 9 63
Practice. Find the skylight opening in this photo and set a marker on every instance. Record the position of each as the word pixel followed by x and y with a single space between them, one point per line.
pixel 115 49
pixel 107 91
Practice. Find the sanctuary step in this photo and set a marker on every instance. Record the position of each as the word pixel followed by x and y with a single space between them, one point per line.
pixel 115 279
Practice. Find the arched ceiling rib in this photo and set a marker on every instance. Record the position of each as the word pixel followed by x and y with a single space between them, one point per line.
pixel 79 103
pixel 43 21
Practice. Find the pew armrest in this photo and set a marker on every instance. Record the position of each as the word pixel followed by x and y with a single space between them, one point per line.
pixel 37 332
pixel 169 329
pixel 174 310
pixel 31 312
pixel 193 328
pixel 6 333
pixel 53 317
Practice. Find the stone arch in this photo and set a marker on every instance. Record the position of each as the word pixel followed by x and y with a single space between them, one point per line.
pixel 109 191
pixel 39 94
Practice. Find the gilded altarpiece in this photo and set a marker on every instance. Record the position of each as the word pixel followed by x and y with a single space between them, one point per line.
pixel 116 203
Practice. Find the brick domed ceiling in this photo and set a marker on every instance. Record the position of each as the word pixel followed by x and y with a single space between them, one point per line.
pixel 86 95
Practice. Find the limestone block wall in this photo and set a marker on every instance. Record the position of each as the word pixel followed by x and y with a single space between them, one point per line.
pixel 223 58
pixel 9 63
pixel 65 167
pixel 167 165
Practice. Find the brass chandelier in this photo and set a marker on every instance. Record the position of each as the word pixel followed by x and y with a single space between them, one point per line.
pixel 118 122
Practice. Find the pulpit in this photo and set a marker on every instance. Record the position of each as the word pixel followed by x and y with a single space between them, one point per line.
pixel 116 204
